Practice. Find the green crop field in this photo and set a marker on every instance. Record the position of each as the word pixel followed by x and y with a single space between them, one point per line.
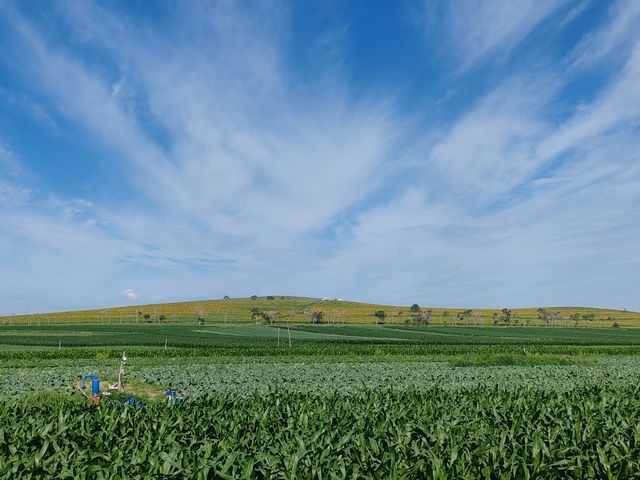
pixel 339 400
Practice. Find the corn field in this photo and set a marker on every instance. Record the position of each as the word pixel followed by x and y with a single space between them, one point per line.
pixel 589 432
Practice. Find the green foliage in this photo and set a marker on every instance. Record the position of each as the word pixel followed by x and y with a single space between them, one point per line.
pixel 231 339
pixel 414 308
pixel 317 316
pixel 483 432
pixel 380 316
pixel 256 314
pixel 348 401
pixel 508 359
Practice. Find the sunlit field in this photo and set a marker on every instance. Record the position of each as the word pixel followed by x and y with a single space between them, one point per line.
pixel 371 401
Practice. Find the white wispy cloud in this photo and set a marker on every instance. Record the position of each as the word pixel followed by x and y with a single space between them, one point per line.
pixel 130 294
pixel 618 104
pixel 614 38
pixel 479 31
pixel 254 162
pixel 491 148
pixel 10 165
pixel 239 170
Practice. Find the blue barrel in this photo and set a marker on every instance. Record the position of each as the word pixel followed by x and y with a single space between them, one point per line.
pixel 95 386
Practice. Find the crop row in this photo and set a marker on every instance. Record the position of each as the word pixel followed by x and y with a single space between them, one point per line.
pixel 252 336
pixel 484 432
pixel 197 380
pixel 200 380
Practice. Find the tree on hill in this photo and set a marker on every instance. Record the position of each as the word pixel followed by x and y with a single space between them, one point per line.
pixel 575 317
pixel 476 319
pixel 612 319
pixel 256 314
pixel 588 317
pixel 543 315
pixel 505 316
pixel 201 314
pixel 380 316
pixel 415 308
pixel 269 297
pixel 465 315
pixel 226 297
pixel 317 316
pixel 271 317
pixel 424 318
pixel 254 297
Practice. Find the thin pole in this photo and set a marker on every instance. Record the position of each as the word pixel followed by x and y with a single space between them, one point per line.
pixel 278 336
pixel 289 332
pixel 165 343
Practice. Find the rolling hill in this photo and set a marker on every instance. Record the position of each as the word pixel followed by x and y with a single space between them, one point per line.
pixel 300 310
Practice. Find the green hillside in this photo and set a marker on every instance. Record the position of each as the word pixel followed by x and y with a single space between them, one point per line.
pixel 281 309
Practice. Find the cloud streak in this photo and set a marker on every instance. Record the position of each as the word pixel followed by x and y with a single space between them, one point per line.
pixel 240 175
pixel 479 31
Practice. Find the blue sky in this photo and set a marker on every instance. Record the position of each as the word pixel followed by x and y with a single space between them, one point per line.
pixel 455 153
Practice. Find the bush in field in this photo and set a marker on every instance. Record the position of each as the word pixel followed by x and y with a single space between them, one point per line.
pixel 414 308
